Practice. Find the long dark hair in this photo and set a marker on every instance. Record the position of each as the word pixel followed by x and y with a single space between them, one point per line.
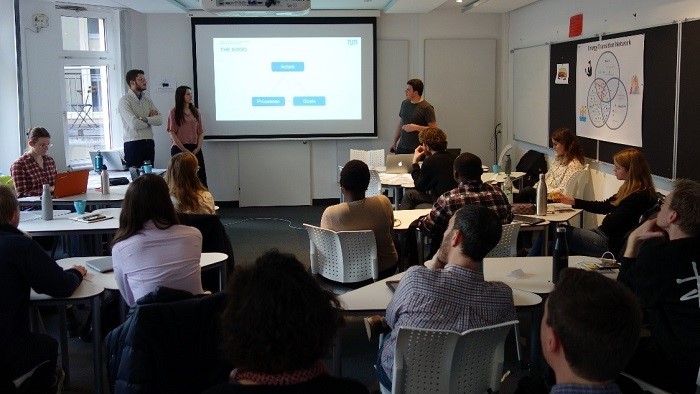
pixel 572 149
pixel 180 105
pixel 147 198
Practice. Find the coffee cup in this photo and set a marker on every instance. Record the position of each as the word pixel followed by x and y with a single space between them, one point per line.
pixel 496 168
pixel 80 206
pixel 147 168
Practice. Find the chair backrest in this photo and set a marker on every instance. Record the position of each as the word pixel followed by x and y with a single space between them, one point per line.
pixel 576 184
pixel 440 361
pixel 7 180
pixel 375 184
pixel 508 245
pixel 343 256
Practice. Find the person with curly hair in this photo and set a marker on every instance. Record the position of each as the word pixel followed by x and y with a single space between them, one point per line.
pixel 435 176
pixel 186 190
pixel 277 325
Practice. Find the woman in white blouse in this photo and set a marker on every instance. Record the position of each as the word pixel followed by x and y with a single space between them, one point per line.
pixel 569 159
pixel 186 190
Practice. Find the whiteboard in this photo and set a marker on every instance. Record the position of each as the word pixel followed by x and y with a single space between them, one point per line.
pixel 531 94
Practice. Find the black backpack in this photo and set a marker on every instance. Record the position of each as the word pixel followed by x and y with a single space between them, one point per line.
pixel 532 164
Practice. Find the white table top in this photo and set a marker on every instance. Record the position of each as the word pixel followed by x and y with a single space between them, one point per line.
pixel 558 212
pixel 406 217
pixel 62 224
pixel 92 196
pixel 85 290
pixel 536 275
pixel 375 297
pixel 107 279
pixel 405 180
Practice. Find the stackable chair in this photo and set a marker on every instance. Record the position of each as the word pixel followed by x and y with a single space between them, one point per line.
pixel 508 245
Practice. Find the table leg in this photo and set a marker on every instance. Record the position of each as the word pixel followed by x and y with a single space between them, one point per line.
pixel 63 330
pixel 337 353
pixel 97 342
pixel 535 343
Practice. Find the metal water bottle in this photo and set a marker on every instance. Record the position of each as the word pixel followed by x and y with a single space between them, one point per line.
pixel 98 162
pixel 541 197
pixel 508 188
pixel 560 256
pixel 46 203
pixel 507 164
pixel 104 180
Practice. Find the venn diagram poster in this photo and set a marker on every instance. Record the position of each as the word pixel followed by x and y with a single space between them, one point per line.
pixel 610 89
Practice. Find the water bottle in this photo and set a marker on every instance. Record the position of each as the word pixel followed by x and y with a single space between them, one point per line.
pixel 508 189
pixel 46 203
pixel 507 164
pixel 98 162
pixel 104 180
pixel 560 256
pixel 541 197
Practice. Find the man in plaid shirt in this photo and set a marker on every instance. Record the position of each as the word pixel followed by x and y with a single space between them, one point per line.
pixel 471 190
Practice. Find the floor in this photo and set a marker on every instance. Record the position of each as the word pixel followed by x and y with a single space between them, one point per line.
pixel 253 231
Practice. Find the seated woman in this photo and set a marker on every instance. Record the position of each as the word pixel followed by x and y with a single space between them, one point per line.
pixel 622 210
pixel 568 160
pixel 186 190
pixel 34 168
pixel 150 248
pixel 277 325
pixel 360 213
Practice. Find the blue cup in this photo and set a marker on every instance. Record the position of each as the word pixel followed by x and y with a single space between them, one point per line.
pixel 80 206
pixel 147 168
pixel 496 168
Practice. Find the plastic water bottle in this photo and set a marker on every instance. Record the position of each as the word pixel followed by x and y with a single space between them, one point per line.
pixel 507 163
pixel 46 203
pixel 104 180
pixel 560 256
pixel 541 197
pixel 508 189
pixel 98 162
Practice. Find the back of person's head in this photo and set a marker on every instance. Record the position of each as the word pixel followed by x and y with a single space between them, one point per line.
pixel 572 149
pixel 8 204
pixel 147 198
pixel 481 229
pixel 686 203
pixel 417 85
pixel 434 138
pixel 597 321
pixel 277 319
pixel 131 75
pixel 354 177
pixel 37 132
pixel 468 167
pixel 183 182
pixel 638 174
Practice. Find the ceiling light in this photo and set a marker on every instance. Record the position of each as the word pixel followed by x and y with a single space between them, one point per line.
pixel 471 4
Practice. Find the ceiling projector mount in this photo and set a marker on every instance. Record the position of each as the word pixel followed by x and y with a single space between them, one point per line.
pixel 257 7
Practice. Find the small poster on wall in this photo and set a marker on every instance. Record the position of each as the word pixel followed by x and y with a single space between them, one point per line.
pixel 562 77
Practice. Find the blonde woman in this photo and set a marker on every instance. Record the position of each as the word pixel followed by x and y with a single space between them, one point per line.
pixel 186 190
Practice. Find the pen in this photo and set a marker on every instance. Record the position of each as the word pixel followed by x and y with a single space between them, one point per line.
pixel 505 375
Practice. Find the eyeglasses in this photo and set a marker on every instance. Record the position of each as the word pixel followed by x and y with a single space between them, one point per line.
pixel 140 79
pixel 45 145
pixel 661 201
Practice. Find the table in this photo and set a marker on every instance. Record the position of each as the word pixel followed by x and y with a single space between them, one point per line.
pixel 88 293
pixel 556 213
pixel 92 196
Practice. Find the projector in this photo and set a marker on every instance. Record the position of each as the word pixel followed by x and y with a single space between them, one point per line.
pixel 257 7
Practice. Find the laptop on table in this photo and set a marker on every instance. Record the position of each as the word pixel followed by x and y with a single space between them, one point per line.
pixel 399 164
pixel 111 158
pixel 70 183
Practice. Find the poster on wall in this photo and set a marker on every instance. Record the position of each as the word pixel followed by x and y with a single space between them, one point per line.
pixel 609 90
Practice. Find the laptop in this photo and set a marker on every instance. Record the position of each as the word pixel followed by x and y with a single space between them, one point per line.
pixel 399 164
pixel 70 183
pixel 102 264
pixel 111 158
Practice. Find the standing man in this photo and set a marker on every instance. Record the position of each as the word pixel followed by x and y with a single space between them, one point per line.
pixel 663 273
pixel 590 327
pixel 415 115
pixel 23 266
pixel 138 115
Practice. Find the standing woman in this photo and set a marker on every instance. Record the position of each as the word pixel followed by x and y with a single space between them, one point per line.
pixel 185 128
pixel 186 191
pixel 622 211
pixel 150 248
pixel 34 168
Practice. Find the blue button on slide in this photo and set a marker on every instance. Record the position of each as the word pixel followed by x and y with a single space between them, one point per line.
pixel 268 101
pixel 310 101
pixel 288 66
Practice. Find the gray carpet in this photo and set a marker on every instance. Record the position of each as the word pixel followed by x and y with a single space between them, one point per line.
pixel 252 232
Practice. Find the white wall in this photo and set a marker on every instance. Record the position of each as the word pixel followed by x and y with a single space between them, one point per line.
pixel 547 21
pixel 9 103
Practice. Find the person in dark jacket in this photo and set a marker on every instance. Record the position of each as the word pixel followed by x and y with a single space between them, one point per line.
pixel 622 210
pixel 435 177
pixel 660 265
pixel 277 325
pixel 23 266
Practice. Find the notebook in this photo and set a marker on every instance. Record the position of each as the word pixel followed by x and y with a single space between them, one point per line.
pixel 399 164
pixel 70 183
pixel 103 264
pixel 528 219
pixel 111 158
